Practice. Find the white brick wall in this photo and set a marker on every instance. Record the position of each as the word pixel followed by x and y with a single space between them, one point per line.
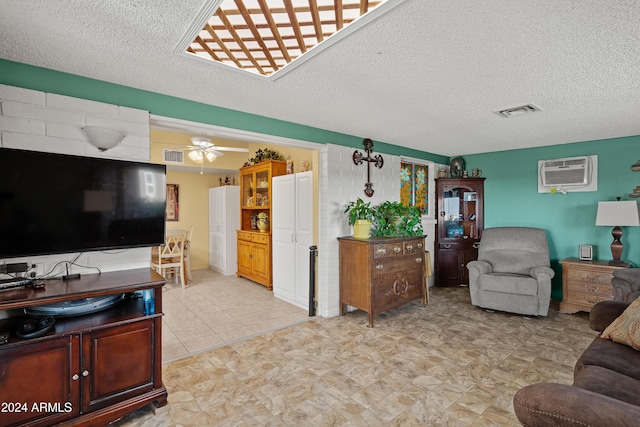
pixel 341 181
pixel 39 121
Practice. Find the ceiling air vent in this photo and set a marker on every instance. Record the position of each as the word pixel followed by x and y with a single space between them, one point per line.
pixel 173 156
pixel 518 111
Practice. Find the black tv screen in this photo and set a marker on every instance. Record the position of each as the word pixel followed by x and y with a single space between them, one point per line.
pixel 55 203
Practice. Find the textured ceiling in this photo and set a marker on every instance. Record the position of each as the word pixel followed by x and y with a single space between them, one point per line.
pixel 427 74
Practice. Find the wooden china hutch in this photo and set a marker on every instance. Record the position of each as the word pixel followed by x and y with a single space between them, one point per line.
pixel 254 245
pixel 460 223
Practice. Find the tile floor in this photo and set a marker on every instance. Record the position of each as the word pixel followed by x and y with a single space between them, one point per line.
pixel 450 364
pixel 215 310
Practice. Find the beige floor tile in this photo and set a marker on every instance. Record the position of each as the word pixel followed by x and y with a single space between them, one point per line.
pixel 450 364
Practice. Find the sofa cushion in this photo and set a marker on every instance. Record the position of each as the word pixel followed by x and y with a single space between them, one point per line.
pixel 508 283
pixel 609 383
pixel 611 355
pixel 626 328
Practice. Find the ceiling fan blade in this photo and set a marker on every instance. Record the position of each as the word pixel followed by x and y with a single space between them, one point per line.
pixel 237 149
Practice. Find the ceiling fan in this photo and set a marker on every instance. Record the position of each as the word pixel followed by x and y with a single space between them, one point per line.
pixel 202 148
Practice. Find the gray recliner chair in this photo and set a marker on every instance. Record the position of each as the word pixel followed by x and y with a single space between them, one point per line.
pixel 626 284
pixel 512 272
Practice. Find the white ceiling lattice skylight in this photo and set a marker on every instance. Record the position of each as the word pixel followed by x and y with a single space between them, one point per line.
pixel 263 36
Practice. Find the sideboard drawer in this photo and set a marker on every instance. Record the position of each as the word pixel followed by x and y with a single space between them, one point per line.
pixel 391 289
pixel 391 265
pixel 260 238
pixel 384 250
pixel 242 235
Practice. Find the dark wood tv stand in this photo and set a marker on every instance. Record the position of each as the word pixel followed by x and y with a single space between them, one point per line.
pixel 90 369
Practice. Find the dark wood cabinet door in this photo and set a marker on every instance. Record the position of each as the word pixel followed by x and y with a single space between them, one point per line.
pixel 116 363
pixel 38 382
pixel 467 255
pixel 448 267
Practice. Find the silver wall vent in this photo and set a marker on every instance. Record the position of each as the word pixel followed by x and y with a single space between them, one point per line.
pixel 173 156
pixel 518 111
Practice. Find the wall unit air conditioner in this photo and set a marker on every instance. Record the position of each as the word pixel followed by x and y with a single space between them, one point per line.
pixel 568 174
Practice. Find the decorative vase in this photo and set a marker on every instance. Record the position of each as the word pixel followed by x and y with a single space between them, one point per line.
pixel 362 229
pixel 263 223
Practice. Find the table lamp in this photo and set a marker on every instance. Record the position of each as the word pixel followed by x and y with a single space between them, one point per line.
pixel 616 214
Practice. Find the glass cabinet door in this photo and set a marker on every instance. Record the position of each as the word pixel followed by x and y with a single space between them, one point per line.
pixel 262 188
pixel 247 190
pixel 459 213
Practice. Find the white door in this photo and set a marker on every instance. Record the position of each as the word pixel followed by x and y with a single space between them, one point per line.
pixel 283 234
pixel 292 232
pixel 303 237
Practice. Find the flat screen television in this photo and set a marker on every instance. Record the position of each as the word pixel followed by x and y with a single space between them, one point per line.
pixel 55 203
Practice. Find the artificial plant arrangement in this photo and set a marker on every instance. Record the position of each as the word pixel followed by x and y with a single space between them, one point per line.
pixel 262 155
pixel 392 219
pixel 397 220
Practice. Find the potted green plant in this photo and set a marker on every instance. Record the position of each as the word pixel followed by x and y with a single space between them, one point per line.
pixel 396 219
pixel 360 215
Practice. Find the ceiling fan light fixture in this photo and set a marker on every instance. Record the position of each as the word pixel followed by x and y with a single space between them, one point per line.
pixel 210 156
pixel 196 156
pixel 200 141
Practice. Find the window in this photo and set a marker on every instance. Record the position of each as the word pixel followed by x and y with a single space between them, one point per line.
pixel 414 185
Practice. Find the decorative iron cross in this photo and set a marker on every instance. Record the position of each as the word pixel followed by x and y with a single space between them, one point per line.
pixel 358 158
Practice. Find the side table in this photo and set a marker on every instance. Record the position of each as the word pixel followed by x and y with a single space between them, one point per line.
pixel 585 283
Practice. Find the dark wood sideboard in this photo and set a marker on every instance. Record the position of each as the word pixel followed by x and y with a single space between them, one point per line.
pixel 381 273
pixel 87 370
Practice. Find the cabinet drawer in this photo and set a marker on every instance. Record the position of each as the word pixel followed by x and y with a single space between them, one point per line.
pixel 392 289
pixel 589 276
pixel 392 265
pixel 596 289
pixel 244 236
pixel 383 250
pixel 586 299
pixel 414 247
pixel 260 238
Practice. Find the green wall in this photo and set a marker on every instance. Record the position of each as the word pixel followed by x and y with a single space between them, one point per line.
pixel 45 80
pixel 511 192
pixel 512 198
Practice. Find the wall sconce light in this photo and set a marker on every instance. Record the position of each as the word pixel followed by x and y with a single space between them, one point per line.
pixel 103 138
pixel 616 214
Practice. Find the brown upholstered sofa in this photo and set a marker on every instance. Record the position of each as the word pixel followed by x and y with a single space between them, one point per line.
pixel 605 390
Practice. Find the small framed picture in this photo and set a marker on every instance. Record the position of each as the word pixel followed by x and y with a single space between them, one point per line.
pixel 586 252
pixel 172 202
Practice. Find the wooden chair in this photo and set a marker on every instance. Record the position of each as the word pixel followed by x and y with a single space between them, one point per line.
pixel 170 256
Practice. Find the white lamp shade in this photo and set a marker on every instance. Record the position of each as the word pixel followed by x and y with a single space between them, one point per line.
pixel 210 156
pixel 621 213
pixel 103 138
pixel 196 156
